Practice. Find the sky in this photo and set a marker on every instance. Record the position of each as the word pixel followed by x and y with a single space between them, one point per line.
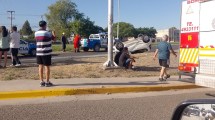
pixel 160 14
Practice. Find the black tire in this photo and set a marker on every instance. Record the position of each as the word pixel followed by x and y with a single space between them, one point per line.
pixel 33 52
pixel 119 46
pixel 96 48
pixel 86 49
pixel 106 49
pixel 146 39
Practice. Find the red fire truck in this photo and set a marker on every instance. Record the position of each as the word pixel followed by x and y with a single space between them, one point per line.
pixel 197 44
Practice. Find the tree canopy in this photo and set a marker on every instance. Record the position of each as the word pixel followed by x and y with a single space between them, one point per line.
pixel 60 15
pixel 26 29
pixel 146 31
pixel 64 17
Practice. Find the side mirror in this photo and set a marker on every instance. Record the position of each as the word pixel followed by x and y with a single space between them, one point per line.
pixel 199 109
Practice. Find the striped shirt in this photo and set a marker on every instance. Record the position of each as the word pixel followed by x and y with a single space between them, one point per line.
pixel 44 42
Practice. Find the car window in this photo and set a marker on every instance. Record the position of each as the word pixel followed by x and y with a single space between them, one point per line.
pixel 93 36
pixel 22 42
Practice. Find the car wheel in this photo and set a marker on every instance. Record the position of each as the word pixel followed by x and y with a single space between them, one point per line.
pixel 33 52
pixel 86 49
pixel 119 46
pixel 106 49
pixel 96 48
pixel 146 39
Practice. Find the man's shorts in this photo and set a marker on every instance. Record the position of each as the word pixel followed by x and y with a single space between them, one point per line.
pixel 164 62
pixel 4 49
pixel 44 60
pixel 127 62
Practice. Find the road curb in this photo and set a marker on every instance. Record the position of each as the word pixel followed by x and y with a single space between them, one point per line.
pixel 81 91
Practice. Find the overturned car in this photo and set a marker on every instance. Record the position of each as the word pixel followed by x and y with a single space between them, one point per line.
pixel 136 45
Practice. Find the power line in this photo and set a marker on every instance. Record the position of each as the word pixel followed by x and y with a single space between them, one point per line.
pixel 24 15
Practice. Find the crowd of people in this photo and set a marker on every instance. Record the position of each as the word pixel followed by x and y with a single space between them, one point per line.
pixel 11 40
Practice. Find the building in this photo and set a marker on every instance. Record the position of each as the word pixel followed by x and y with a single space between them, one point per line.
pixel 173 34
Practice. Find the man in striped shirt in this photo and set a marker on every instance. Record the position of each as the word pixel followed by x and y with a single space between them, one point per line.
pixel 44 50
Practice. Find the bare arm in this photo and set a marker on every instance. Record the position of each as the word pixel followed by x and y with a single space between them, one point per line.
pixel 53 36
pixel 173 52
pixel 156 53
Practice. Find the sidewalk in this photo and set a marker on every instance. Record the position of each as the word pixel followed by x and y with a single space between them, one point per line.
pixel 74 86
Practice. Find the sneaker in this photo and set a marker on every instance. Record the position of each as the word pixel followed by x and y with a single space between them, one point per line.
pixel 42 84
pixel 48 84
pixel 17 65
pixel 12 65
pixel 167 76
pixel 161 79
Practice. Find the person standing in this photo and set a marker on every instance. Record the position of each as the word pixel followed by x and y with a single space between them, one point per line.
pixel 77 42
pixel 4 44
pixel 163 49
pixel 14 46
pixel 44 50
pixel 63 40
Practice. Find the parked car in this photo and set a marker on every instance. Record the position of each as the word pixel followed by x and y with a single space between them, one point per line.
pixel 27 48
pixel 95 42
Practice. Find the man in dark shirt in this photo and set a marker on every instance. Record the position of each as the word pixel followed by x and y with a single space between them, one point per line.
pixel 125 60
pixel 163 49
pixel 63 39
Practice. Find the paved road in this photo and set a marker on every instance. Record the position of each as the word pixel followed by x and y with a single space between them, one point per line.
pixel 132 106
pixel 59 57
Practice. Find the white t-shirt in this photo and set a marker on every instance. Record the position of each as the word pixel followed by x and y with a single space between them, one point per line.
pixel 15 40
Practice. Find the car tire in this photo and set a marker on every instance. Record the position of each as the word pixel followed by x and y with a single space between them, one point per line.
pixel 86 49
pixel 119 45
pixel 96 48
pixel 146 39
pixel 33 52
pixel 106 49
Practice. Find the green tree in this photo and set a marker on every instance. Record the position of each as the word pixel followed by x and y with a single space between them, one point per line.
pixel 125 30
pixel 61 14
pixel 85 27
pixel 26 29
pixel 146 31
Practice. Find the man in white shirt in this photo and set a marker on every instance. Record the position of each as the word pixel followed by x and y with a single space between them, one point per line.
pixel 14 46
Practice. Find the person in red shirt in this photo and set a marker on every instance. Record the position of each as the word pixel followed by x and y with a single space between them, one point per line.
pixel 77 42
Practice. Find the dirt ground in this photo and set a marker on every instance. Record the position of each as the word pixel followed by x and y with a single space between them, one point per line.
pixel 91 68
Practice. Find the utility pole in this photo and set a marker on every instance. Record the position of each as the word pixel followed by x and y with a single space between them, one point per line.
pixel 110 63
pixel 11 18
pixel 118 19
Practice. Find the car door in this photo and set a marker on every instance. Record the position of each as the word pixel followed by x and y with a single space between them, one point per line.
pixel 103 39
pixel 23 49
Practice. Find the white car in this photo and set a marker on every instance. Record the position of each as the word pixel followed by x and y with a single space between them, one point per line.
pixel 138 45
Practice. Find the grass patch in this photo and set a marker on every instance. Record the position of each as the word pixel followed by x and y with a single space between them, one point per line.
pixel 58 47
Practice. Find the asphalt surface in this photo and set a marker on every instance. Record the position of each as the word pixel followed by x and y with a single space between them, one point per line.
pixel 61 56
pixel 132 106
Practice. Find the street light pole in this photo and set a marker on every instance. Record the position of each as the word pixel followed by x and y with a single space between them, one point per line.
pixel 110 62
pixel 118 19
